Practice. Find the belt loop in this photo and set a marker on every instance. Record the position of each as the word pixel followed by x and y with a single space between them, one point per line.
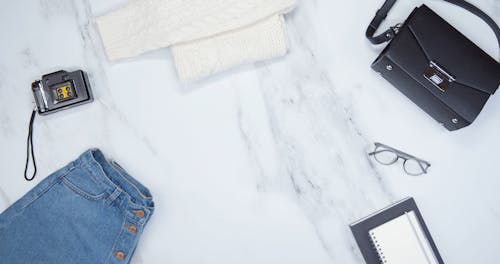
pixel 111 198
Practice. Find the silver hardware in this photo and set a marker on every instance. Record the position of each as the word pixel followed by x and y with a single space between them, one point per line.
pixel 41 101
pixel 438 76
pixel 397 28
pixel 454 120
pixel 389 67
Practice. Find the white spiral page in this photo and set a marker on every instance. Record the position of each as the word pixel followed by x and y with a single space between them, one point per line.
pixel 402 241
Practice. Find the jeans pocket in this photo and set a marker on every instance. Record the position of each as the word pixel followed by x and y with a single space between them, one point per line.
pixel 83 184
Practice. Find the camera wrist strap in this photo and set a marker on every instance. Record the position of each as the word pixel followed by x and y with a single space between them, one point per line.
pixel 390 33
pixel 29 148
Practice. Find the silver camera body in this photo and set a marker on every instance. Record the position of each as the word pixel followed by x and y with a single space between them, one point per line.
pixel 61 90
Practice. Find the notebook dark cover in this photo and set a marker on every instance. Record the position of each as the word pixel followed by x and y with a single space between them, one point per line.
pixel 361 228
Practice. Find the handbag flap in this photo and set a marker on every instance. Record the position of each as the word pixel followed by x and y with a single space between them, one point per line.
pixel 407 54
pixel 451 51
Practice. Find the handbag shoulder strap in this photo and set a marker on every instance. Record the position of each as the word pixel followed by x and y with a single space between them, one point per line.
pixel 391 32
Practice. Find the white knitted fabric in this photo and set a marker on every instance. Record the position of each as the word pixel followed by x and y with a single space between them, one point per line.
pixel 144 25
pixel 200 58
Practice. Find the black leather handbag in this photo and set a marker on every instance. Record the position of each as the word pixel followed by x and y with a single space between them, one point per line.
pixel 435 66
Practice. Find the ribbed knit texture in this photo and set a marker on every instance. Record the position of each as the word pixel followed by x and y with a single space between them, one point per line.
pixel 201 58
pixel 144 25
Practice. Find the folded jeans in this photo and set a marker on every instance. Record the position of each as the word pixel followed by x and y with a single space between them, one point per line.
pixel 90 211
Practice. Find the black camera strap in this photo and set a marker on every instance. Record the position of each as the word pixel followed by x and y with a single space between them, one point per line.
pixel 391 32
pixel 29 148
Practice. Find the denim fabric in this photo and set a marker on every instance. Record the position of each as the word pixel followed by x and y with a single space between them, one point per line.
pixel 90 211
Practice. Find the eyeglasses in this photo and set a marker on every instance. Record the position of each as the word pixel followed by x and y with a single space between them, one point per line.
pixel 386 155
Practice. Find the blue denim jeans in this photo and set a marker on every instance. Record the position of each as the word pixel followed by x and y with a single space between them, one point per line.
pixel 90 211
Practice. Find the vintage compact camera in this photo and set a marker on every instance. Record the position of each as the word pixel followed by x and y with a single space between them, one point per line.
pixel 61 90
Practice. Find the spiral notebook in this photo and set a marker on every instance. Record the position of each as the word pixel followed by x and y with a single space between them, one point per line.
pixel 402 240
pixel 396 234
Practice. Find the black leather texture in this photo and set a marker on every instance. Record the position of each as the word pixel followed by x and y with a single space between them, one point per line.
pixel 462 76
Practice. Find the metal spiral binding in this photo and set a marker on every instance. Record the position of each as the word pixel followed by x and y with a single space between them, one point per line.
pixel 376 246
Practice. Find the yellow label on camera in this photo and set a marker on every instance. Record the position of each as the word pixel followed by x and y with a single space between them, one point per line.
pixel 64 92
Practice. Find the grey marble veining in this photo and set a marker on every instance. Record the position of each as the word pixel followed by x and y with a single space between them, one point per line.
pixel 266 163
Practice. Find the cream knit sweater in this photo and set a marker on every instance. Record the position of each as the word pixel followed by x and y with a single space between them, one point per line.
pixel 208 36
pixel 201 58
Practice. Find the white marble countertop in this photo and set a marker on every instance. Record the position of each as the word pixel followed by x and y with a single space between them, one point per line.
pixel 266 163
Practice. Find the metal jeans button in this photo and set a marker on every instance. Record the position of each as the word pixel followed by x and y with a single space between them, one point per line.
pixel 138 213
pixel 119 255
pixel 132 229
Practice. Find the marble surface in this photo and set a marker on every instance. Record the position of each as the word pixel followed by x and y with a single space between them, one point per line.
pixel 266 163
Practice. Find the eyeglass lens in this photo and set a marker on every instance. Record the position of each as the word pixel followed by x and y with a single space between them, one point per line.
pixel 385 156
pixel 413 167
pixel 388 157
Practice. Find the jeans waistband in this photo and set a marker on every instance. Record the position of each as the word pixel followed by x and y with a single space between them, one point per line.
pixel 114 178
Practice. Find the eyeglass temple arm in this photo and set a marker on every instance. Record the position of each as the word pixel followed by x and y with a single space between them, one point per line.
pixel 377 152
pixel 400 154
pixel 424 162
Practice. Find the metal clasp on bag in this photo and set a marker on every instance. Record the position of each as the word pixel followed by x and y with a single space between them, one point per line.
pixel 392 31
pixel 397 28
pixel 438 76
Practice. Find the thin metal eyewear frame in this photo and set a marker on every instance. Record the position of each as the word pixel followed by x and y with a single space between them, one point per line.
pixel 379 148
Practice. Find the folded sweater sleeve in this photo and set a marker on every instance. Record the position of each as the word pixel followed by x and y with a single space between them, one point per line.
pixel 144 25
pixel 198 59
